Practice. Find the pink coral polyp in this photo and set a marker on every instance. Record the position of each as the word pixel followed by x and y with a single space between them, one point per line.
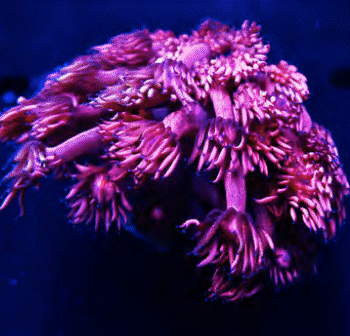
pixel 140 106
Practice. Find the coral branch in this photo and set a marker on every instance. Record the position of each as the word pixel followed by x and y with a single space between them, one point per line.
pixel 236 193
pixel 87 142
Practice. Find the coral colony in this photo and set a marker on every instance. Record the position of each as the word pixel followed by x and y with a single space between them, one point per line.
pixel 223 111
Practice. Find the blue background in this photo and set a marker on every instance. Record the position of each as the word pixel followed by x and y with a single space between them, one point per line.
pixel 57 280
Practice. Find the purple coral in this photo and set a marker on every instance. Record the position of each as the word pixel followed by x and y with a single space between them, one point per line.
pixel 134 106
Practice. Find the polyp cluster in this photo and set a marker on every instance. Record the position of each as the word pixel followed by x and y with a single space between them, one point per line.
pixel 140 106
